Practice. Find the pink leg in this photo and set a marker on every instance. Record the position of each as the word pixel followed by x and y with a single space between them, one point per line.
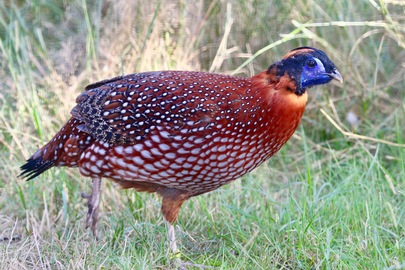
pixel 93 202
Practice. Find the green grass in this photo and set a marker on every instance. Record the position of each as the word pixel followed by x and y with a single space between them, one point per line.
pixel 325 201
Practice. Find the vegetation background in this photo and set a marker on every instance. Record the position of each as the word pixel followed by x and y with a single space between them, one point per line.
pixel 333 198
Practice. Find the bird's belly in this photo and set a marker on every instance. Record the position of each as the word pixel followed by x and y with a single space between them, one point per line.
pixel 196 164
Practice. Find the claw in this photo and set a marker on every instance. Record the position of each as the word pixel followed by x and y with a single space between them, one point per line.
pixel 85 195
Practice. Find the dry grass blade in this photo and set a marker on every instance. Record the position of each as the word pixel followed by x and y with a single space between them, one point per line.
pixel 357 136
pixel 362 137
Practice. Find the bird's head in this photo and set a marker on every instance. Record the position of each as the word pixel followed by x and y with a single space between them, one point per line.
pixel 307 67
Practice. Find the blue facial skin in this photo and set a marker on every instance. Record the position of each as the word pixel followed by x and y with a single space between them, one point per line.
pixel 314 73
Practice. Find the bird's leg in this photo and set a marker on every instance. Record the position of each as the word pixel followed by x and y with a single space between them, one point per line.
pixel 173 250
pixel 171 203
pixel 93 202
pixel 172 239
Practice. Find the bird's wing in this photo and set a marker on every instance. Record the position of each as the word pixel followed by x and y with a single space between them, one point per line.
pixel 125 109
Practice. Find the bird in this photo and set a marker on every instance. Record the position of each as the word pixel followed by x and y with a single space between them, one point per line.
pixel 181 134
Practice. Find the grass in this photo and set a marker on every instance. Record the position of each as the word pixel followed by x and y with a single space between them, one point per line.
pixel 325 201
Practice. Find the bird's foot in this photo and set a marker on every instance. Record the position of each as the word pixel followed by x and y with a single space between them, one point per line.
pixel 93 202
pixel 182 265
pixel 175 257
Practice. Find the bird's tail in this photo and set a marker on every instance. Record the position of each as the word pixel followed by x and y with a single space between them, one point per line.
pixel 64 149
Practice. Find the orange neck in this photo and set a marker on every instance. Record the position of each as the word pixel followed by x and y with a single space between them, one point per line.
pixel 283 109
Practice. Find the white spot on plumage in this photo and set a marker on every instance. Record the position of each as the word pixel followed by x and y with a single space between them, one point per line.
pixel 198 140
pixel 163 174
pixel 249 165
pixel 221 157
pixel 213 157
pixel 113 159
pixel 222 148
pixel 131 175
pixel 183 151
pixel 148 143
pixel 149 167
pixel 239 163
pixel 165 161
pixel 170 155
pixel 138 147
pixel 253 150
pixel 99 163
pixel 164 134
pixel 164 147
pixel 187 165
pixel 155 152
pixel 159 164
pixel 188 145
pixel 146 154
pixel 84 171
pixel 119 149
pixel 129 150
pixel 175 145
pixel 132 167
pixel 155 138
pixel 121 162
pixel 95 169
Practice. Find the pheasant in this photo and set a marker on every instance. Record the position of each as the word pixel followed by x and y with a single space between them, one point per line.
pixel 181 134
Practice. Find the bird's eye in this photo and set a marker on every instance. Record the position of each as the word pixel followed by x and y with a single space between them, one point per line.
pixel 311 63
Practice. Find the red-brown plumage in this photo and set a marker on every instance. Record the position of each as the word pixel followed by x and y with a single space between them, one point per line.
pixel 197 151
pixel 182 134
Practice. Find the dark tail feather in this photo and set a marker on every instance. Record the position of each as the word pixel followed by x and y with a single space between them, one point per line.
pixel 53 153
pixel 34 167
pixel 44 159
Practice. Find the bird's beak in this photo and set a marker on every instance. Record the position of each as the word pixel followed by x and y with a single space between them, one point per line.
pixel 336 75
